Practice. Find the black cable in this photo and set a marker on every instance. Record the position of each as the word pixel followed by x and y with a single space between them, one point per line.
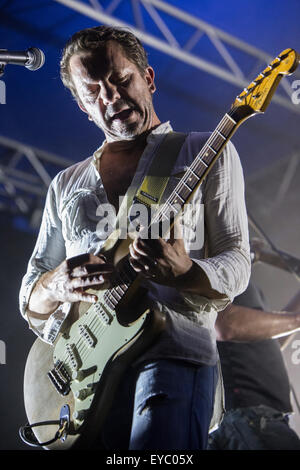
pixel 27 435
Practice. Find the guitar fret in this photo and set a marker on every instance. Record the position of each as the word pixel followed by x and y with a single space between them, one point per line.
pixel 121 289
pixel 115 292
pixel 231 119
pixel 112 297
pixel 178 195
pixel 171 205
pixel 109 303
pixel 220 134
pixel 226 128
pixel 202 167
pixel 203 162
pixel 165 216
pixel 186 185
pixel 195 174
pixel 211 148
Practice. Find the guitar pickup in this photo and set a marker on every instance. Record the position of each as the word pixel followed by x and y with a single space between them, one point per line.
pixel 103 314
pixel 72 356
pixel 86 334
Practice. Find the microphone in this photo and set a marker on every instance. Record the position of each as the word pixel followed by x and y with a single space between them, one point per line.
pixel 32 59
pixel 260 251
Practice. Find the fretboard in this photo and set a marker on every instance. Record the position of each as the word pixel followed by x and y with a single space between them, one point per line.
pixel 198 170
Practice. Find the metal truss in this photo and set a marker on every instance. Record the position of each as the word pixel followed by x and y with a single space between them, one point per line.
pixel 170 45
pixel 25 174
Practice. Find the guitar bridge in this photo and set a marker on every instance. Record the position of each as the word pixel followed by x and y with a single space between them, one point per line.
pixel 60 378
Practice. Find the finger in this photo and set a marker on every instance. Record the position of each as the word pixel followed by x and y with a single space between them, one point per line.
pixel 147 262
pixel 139 247
pixel 92 269
pixel 153 247
pixel 175 232
pixel 81 296
pixel 139 266
pixel 133 252
pixel 77 261
pixel 85 282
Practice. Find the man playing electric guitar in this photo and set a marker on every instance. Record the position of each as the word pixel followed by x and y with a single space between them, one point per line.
pixel 166 399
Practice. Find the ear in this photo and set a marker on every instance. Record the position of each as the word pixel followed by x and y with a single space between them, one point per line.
pixel 80 105
pixel 149 77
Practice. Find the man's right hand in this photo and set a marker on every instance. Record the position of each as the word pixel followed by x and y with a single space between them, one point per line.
pixel 69 283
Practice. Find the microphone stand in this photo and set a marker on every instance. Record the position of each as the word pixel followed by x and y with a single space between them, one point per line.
pixel 2 66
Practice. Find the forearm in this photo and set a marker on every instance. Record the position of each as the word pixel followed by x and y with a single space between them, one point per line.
pixel 292 306
pixel 237 323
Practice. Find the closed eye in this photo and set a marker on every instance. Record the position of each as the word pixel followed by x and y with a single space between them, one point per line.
pixel 124 81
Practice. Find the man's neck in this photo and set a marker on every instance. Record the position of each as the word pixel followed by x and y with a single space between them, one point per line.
pixel 124 145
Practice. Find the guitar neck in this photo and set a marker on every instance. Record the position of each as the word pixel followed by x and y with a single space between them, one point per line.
pixel 201 166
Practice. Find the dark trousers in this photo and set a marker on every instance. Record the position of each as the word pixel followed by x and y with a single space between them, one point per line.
pixel 166 404
pixel 254 428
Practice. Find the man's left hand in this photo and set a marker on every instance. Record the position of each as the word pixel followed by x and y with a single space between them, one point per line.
pixel 163 262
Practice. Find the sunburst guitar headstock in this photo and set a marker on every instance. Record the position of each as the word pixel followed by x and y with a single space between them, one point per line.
pixel 256 97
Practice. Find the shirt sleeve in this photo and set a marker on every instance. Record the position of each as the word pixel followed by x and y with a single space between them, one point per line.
pixel 48 253
pixel 228 263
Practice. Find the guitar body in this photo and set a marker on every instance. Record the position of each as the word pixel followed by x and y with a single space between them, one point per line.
pixel 87 368
pixel 42 402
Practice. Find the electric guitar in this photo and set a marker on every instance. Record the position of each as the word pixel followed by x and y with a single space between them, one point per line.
pixel 69 387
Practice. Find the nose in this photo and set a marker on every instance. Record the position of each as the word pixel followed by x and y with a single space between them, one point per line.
pixel 109 93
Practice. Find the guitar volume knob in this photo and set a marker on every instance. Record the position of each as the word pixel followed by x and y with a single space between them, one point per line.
pixel 83 393
pixel 79 415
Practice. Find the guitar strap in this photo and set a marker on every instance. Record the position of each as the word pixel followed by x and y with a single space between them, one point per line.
pixel 155 182
pixel 152 187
